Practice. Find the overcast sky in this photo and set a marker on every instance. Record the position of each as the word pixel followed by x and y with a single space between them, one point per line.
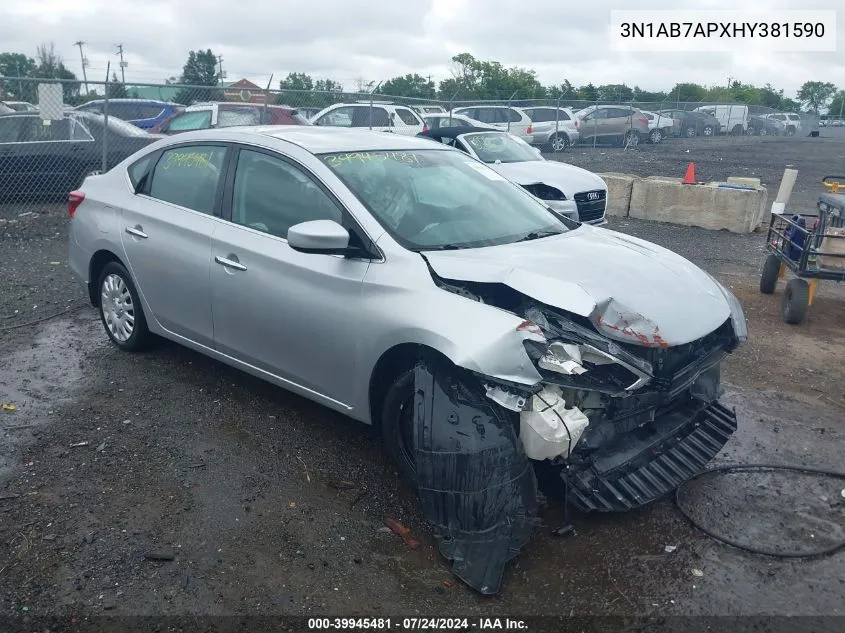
pixel 378 39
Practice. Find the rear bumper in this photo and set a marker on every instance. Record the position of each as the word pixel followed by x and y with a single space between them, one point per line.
pixel 633 472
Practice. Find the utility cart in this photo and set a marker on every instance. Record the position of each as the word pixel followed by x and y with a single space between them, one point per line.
pixel 812 246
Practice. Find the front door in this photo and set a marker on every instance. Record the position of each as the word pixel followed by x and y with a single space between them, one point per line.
pixel 289 313
pixel 166 235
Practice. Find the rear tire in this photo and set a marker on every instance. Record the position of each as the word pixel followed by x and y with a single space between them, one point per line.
pixel 769 276
pixel 796 299
pixel 708 130
pixel 559 142
pixel 397 425
pixel 690 131
pixel 120 309
pixel 655 137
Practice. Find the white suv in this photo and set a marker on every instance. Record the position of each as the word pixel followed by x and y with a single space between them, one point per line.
pixel 789 122
pixel 503 117
pixel 381 116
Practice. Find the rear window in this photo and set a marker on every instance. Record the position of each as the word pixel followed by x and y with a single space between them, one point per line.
pixel 190 121
pixel 407 116
pixel 513 115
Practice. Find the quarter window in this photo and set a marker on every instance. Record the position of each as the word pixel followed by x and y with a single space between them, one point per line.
pixel 189 176
pixel 272 195
pixel 407 116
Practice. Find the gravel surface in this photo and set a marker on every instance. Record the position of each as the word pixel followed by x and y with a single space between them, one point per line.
pixel 167 483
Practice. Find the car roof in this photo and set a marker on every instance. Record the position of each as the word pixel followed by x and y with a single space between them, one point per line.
pixel 315 139
pixel 454 132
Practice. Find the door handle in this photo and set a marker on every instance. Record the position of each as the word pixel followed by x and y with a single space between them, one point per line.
pixel 137 231
pixel 228 263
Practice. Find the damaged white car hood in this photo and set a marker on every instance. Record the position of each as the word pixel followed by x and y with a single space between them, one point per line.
pixel 568 178
pixel 633 290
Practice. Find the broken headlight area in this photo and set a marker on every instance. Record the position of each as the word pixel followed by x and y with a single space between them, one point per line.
pixel 545 192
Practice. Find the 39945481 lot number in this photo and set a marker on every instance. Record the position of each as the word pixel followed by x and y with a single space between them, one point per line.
pixel 397 624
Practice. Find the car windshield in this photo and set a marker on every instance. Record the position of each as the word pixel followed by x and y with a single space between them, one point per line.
pixel 500 146
pixel 442 199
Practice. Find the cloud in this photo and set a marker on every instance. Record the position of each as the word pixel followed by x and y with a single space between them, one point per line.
pixel 376 40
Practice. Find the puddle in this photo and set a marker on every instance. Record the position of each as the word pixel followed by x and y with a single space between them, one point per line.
pixel 40 377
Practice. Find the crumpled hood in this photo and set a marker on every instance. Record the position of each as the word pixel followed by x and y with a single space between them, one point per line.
pixel 633 290
pixel 568 178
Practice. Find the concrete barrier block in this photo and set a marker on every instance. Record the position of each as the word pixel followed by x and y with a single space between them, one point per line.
pixel 619 188
pixel 707 206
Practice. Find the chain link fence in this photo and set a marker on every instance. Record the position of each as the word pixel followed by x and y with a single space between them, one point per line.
pixel 54 133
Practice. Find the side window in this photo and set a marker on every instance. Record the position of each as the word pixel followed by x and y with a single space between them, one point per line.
pixel 10 128
pixel 341 117
pixel 540 115
pixel 485 115
pixel 139 170
pixel 364 116
pixel 272 195
pixel 190 121
pixel 188 176
pixel 512 115
pixel 149 111
pixel 407 116
pixel 561 116
pixel 596 115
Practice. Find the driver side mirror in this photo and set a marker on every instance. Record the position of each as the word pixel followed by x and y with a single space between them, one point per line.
pixel 325 237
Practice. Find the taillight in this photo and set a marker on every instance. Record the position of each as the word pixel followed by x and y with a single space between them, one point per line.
pixel 577 122
pixel 74 199
pixel 529 130
pixel 425 129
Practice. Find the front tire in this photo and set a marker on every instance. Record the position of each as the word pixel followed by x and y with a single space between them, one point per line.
pixel 796 299
pixel 397 425
pixel 120 309
pixel 708 130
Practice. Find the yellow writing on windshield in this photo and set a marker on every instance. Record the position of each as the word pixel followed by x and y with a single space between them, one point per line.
pixel 200 160
pixel 408 158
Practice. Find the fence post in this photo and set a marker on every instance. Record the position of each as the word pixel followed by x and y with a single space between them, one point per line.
pixel 105 165
pixel 509 105
pixel 557 117
pixel 264 117
pixel 595 124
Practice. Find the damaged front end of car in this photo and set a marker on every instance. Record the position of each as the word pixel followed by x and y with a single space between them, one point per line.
pixel 622 416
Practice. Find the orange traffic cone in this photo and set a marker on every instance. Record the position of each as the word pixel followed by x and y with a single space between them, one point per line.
pixel 689 177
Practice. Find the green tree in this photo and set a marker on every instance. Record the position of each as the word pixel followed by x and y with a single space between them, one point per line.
pixel 199 70
pixel 647 96
pixel 688 92
pixel 19 66
pixel 297 81
pixel 477 79
pixel 836 107
pixel 618 93
pixel 815 95
pixel 588 92
pixel 115 89
pixel 327 85
pixel 564 91
pixel 409 86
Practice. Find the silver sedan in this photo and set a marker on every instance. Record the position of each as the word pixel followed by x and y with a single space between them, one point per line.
pixel 409 285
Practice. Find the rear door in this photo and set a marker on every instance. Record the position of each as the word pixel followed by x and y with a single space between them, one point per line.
pixel 595 124
pixel 166 232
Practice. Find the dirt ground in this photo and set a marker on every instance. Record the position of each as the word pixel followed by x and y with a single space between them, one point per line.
pixel 264 503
